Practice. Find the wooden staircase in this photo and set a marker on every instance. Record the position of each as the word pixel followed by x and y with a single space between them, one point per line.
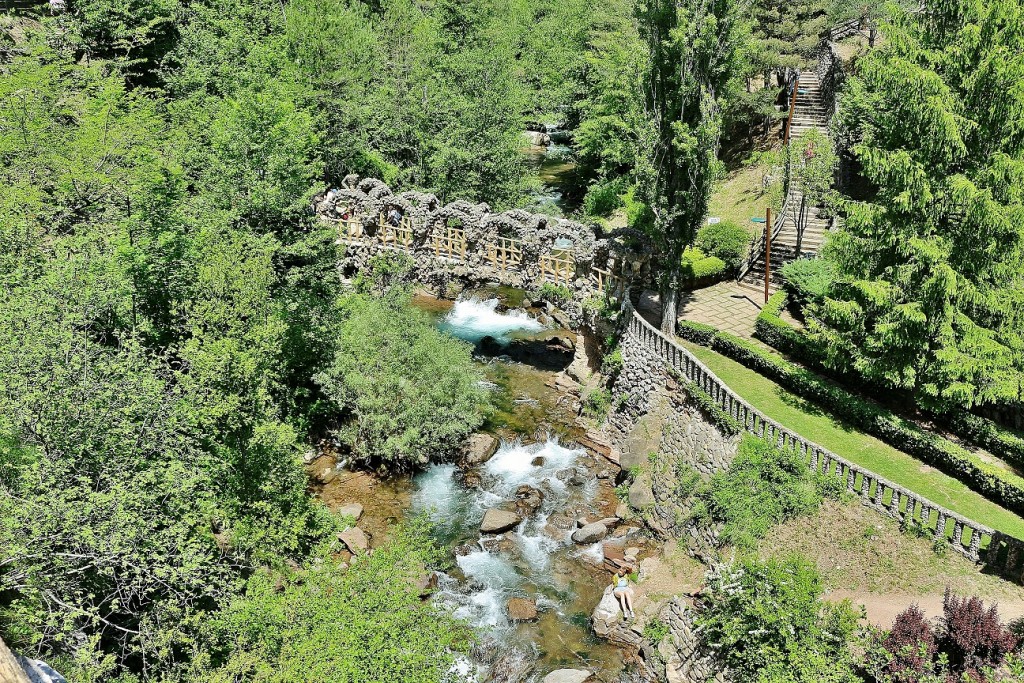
pixel 790 243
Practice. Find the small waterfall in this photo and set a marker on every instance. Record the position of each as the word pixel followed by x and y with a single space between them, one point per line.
pixel 473 319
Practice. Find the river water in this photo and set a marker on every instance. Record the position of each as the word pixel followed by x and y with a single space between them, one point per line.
pixel 537 560
pixel 559 192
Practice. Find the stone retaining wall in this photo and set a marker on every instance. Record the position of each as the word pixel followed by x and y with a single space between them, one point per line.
pixel 641 342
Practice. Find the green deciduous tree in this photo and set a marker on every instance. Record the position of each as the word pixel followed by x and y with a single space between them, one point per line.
pixel 366 624
pixel 693 58
pixel 931 289
pixel 411 391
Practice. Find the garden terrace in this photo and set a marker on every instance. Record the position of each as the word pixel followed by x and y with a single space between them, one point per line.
pixel 647 348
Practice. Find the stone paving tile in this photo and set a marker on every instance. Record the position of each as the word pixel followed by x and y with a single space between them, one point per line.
pixel 726 306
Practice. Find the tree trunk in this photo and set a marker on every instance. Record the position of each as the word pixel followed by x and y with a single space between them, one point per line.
pixel 670 308
pixel 10 670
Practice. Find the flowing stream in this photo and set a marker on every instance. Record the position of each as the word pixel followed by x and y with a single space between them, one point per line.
pixel 537 560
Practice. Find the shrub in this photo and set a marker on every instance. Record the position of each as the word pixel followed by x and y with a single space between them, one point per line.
pixel 910 646
pixel 726 241
pixel 408 390
pixel 809 279
pixel 973 637
pixel 770 328
pixel 611 364
pixel 558 295
pixel 697 266
pixel 286 626
pixel 604 197
pixel 765 622
pixel 655 630
pixel 969 642
pixel 597 404
pixel 763 486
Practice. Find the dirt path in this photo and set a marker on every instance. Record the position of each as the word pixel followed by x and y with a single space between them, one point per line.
pixel 882 609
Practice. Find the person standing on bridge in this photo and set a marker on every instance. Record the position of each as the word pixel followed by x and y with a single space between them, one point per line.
pixel 394 217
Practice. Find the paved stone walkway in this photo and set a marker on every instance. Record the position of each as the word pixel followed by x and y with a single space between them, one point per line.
pixel 726 306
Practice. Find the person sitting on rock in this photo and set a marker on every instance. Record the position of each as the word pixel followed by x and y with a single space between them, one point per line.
pixel 623 592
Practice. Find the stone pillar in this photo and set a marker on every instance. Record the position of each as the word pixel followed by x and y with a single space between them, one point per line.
pixel 865 489
pixel 958 534
pixel 940 526
pixel 894 505
pixel 879 495
pixel 974 550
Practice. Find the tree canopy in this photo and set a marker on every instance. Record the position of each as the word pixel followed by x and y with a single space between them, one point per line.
pixel 929 292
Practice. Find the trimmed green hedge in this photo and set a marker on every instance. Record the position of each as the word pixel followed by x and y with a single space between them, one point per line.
pixel 999 441
pixel 777 333
pixel 770 328
pixel 867 416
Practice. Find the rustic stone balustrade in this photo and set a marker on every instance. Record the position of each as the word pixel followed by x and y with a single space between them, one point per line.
pixel 1000 553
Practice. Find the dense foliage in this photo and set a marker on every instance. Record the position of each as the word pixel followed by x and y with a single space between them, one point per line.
pixel 930 287
pixel 410 391
pixel 766 623
pixel 762 487
pixel 364 624
pixel 969 643
pixel 166 300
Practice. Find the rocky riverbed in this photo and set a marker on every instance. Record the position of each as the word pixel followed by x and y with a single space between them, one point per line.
pixel 528 509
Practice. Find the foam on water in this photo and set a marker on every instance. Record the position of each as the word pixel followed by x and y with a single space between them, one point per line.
pixel 513 464
pixel 473 319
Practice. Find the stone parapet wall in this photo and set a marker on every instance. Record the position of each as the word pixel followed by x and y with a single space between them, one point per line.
pixel 641 343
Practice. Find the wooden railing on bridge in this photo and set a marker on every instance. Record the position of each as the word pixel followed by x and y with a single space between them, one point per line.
pixel 449 242
pixel 399 235
pixel 607 282
pixel 1003 554
pixel 558 267
pixel 349 229
pixel 505 252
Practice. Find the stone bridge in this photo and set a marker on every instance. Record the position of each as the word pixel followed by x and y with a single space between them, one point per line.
pixel 469 242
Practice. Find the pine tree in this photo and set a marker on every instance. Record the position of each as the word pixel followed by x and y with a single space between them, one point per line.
pixel 932 283
pixel 694 57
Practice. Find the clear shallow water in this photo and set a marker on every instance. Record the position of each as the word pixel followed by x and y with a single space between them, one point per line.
pixel 537 560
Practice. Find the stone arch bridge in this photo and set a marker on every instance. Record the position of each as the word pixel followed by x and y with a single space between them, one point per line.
pixel 466 241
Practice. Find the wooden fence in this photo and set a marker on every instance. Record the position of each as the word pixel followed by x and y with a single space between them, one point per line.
pixel 558 267
pixel 398 235
pixel 505 253
pixel 449 242
pixel 1002 553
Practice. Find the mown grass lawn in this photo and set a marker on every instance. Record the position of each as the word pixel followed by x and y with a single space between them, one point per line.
pixel 808 420
pixel 739 197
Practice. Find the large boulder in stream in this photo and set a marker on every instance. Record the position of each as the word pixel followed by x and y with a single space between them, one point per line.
pixel 569 676
pixel 528 499
pixel 478 449
pixel 497 521
pixel 522 609
pixel 591 533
